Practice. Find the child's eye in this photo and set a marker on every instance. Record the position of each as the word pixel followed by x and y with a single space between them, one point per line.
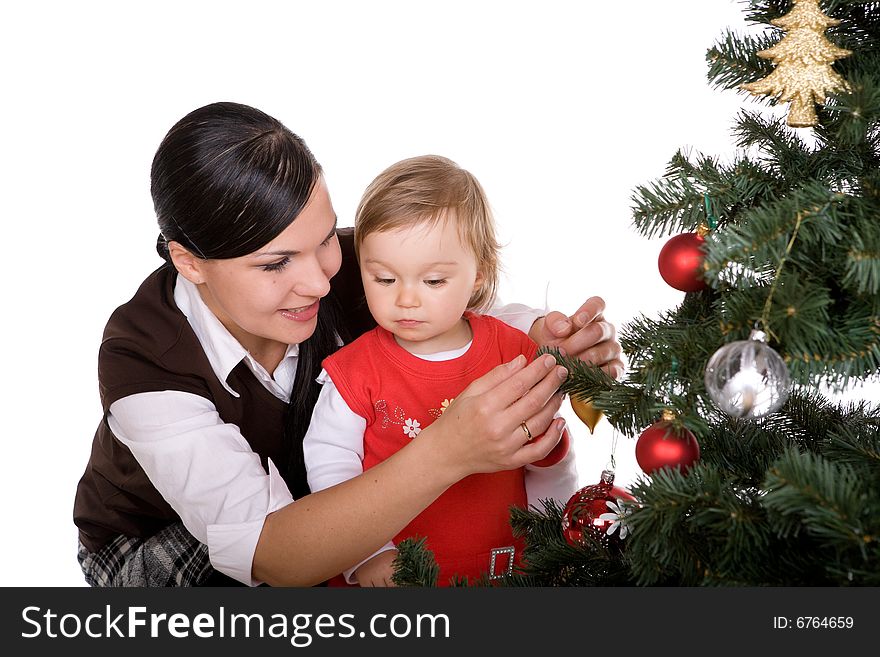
pixel 277 266
pixel 327 241
pixel 383 281
pixel 435 282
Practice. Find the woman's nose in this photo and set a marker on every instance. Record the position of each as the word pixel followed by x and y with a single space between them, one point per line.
pixel 312 280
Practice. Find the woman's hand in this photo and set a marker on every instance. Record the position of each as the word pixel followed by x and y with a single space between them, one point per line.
pixel 488 427
pixel 586 335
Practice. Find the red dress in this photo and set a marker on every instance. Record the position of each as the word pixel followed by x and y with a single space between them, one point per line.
pixel 400 394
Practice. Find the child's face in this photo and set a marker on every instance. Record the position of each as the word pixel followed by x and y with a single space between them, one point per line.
pixel 418 282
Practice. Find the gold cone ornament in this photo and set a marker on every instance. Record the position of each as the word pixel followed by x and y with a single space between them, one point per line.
pixel 803 58
pixel 588 414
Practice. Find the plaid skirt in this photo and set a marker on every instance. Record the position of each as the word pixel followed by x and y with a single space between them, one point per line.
pixel 173 557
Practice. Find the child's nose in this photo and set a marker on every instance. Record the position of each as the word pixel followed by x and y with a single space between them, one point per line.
pixel 407 297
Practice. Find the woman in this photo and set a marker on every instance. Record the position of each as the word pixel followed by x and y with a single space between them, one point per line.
pixel 198 459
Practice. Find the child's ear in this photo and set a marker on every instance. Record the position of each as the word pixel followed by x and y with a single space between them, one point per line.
pixel 188 265
pixel 479 280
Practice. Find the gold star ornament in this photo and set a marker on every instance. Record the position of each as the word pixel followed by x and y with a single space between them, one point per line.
pixel 803 58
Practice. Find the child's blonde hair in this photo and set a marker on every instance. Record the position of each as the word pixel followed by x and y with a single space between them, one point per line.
pixel 421 189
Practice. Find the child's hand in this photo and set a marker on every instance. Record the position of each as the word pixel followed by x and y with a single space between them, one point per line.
pixel 378 570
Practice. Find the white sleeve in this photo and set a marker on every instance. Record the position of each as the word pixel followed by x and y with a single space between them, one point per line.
pixel 558 481
pixel 206 471
pixel 333 447
pixel 516 315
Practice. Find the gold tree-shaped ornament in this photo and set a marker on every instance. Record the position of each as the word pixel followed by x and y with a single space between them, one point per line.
pixel 803 58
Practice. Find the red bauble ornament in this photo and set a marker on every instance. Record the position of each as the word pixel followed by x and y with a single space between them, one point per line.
pixel 663 445
pixel 681 262
pixel 582 519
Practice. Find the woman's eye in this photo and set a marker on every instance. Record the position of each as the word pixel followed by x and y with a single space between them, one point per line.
pixel 276 266
pixel 435 282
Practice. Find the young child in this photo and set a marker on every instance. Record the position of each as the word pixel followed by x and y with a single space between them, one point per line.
pixel 428 255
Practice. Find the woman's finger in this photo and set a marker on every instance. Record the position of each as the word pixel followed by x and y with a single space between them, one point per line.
pixel 538 374
pixel 591 335
pixel 557 326
pixel 537 449
pixel 590 311
pixel 538 405
pixel 602 353
pixel 614 368
pixel 494 377
pixel 539 421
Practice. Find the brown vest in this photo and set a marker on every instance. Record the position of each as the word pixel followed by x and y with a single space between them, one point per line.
pixel 148 346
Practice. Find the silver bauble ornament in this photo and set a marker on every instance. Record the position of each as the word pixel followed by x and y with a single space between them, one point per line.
pixel 747 378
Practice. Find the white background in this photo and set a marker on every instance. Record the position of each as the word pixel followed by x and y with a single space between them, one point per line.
pixel 559 108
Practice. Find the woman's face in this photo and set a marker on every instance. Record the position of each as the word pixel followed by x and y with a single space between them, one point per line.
pixel 269 299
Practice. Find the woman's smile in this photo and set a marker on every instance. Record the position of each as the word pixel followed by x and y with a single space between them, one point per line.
pixel 301 314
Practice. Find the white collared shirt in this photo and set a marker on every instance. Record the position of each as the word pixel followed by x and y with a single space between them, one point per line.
pixel 202 466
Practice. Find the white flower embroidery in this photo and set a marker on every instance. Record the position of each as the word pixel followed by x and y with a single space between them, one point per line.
pixel 445 404
pixel 618 517
pixel 411 428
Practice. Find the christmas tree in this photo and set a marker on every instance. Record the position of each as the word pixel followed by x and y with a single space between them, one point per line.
pixel 752 474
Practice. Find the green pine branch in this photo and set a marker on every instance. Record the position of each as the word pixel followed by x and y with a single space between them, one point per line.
pixel 830 504
pixel 415 564
pixel 733 60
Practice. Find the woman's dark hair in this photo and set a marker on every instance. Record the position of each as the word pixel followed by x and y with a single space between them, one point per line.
pixel 226 180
